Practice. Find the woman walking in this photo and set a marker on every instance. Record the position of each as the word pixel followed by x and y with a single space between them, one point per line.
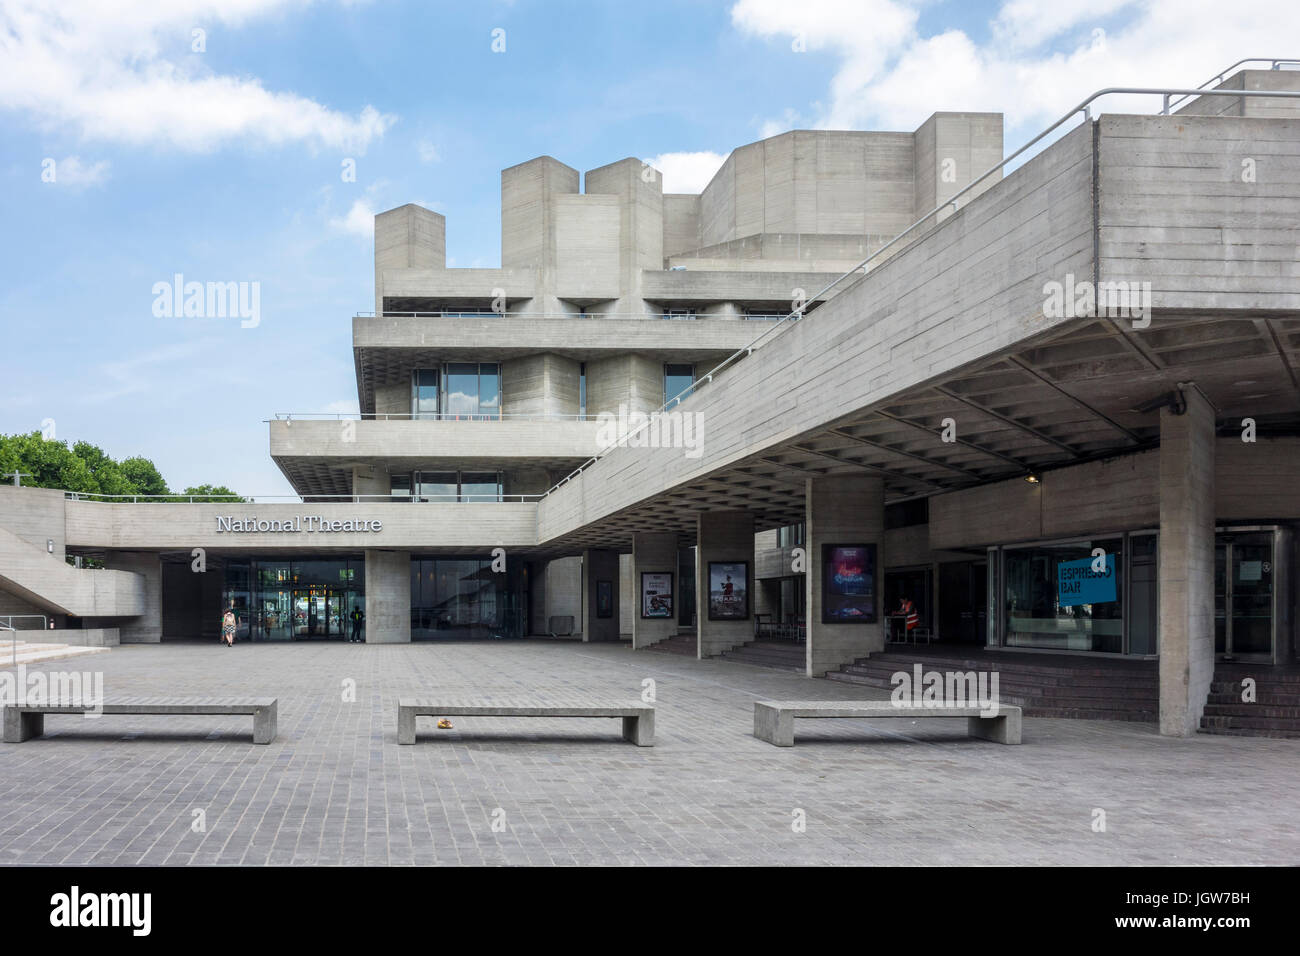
pixel 228 627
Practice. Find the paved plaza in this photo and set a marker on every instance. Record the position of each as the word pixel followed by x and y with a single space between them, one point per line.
pixel 335 788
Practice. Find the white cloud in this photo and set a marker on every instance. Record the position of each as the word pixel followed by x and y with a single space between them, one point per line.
pixel 428 152
pixel 125 72
pixel 358 221
pixel 1040 59
pixel 344 406
pixel 687 172
pixel 73 171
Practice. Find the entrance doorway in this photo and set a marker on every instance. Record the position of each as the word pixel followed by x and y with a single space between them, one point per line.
pixel 1245 573
pixel 963 599
pixel 318 613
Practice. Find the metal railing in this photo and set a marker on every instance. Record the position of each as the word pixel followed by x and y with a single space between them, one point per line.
pixel 297 499
pixel 1274 63
pixel 9 621
pixel 429 416
pixel 953 201
pixel 648 315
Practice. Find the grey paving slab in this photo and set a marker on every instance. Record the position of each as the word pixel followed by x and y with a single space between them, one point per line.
pixel 335 788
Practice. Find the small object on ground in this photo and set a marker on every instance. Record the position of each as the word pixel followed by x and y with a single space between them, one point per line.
pixel 444 724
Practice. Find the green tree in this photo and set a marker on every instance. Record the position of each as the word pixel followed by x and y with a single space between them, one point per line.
pixel 144 476
pixel 213 493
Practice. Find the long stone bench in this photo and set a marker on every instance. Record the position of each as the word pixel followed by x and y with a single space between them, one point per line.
pixel 774 719
pixel 25 721
pixel 638 719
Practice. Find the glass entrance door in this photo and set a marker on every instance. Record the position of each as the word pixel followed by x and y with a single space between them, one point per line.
pixel 318 613
pixel 1244 580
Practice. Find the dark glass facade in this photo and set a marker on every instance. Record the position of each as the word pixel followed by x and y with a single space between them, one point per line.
pixel 294 599
pixel 464 598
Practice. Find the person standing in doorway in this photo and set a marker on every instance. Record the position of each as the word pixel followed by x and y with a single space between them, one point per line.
pixel 357 618
pixel 228 625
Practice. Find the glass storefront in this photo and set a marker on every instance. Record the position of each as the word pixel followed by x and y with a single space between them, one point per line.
pixel 1037 614
pixel 1037 599
pixel 464 598
pixel 290 599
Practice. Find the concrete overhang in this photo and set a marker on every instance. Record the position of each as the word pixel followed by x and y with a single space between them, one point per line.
pixel 958 329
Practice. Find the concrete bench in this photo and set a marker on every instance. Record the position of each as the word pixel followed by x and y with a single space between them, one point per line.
pixel 774 719
pixel 638 718
pixel 24 721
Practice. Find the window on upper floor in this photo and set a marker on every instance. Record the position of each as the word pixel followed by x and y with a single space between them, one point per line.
pixel 679 381
pixel 582 389
pixel 679 313
pixel 473 390
pixel 447 486
pixel 424 393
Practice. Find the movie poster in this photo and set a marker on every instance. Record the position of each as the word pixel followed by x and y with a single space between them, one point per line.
pixel 604 599
pixel 848 584
pixel 728 590
pixel 656 594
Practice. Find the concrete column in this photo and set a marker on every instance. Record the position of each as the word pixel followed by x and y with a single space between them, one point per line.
pixel 388 597
pixel 723 536
pixel 599 565
pixel 653 553
pixel 1186 563
pixel 848 511
pixel 147 565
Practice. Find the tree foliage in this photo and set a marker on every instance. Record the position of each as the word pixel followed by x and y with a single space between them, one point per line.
pixel 87 469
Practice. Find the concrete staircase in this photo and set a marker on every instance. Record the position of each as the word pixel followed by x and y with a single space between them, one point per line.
pixel 682 643
pixel 38 652
pixel 780 655
pixel 1274 713
pixel 1074 687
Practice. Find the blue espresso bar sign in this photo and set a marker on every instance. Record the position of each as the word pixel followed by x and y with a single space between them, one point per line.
pixel 1078 583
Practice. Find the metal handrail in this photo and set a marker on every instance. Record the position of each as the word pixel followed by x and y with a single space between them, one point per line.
pixel 1275 63
pixel 1082 108
pixel 427 416
pixel 294 499
pixel 651 316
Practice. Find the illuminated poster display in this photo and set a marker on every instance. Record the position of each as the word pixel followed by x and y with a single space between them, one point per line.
pixel 848 584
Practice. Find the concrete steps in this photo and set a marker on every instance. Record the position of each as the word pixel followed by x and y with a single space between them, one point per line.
pixel 781 655
pixel 682 644
pixel 30 652
pixel 1065 687
pixel 1275 712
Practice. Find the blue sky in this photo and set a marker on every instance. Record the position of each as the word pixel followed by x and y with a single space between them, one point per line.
pixel 224 164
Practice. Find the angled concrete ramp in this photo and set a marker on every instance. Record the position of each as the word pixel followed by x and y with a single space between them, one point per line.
pixel 49 582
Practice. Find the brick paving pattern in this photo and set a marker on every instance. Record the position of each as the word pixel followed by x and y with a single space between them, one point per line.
pixel 335 788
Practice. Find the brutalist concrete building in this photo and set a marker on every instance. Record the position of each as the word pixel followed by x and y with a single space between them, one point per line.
pixel 1059 421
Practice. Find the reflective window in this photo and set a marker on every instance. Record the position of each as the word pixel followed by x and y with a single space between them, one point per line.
pixel 1038 614
pixel 436 485
pixel 424 398
pixel 678 382
pixel 473 390
pixel 476 486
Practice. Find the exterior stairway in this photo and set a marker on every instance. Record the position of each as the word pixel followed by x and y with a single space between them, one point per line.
pixel 781 655
pixel 1044 686
pixel 680 643
pixel 1275 711
pixel 34 652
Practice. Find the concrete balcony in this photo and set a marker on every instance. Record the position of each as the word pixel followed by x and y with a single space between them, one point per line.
pixel 426 338
pixel 319 456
